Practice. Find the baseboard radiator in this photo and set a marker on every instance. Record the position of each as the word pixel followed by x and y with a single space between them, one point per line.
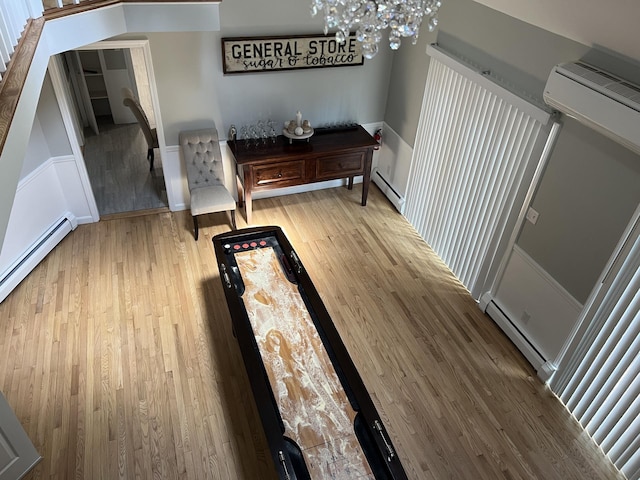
pixel 16 272
pixel 388 189
pixel 543 368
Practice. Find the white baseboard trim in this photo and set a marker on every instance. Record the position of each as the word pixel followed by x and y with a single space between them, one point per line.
pixel 534 311
pixel 485 300
pixel 389 191
pixel 391 172
pixel 17 271
pixel 83 220
pixel 530 353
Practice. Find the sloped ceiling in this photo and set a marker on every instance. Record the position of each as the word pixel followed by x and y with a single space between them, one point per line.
pixel 612 24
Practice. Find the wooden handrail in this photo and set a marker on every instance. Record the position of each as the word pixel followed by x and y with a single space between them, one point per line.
pixel 17 69
pixel 16 74
pixel 85 5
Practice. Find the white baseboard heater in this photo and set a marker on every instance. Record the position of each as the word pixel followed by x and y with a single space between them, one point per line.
pixel 520 340
pixel 12 276
pixel 391 193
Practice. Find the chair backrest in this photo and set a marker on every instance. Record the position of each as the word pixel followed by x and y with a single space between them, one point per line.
pixel 132 102
pixel 202 157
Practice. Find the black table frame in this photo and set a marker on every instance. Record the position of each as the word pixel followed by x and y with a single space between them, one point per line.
pixel 387 465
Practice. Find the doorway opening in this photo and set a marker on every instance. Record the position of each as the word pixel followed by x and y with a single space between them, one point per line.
pixel 113 143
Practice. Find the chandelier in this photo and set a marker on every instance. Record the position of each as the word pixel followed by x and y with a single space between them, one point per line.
pixel 368 18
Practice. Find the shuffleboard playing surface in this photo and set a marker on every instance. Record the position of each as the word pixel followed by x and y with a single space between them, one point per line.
pixel 313 405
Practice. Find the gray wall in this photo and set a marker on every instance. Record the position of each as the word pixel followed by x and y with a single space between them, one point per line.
pixel 591 186
pixel 193 91
pixel 514 50
pixel 589 191
pixel 48 137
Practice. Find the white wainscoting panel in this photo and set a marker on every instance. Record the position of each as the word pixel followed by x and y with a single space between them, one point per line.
pixel 392 171
pixel 74 191
pixel 39 203
pixel 46 197
pixel 175 179
pixel 542 311
pixel 39 220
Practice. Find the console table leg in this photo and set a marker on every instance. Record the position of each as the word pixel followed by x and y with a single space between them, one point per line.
pixel 240 191
pixel 247 206
pixel 366 178
pixel 350 183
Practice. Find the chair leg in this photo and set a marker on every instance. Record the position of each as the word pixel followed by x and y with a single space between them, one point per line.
pixel 150 158
pixel 233 219
pixel 195 227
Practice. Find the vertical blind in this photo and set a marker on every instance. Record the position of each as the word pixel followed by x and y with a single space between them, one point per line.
pixel 598 378
pixel 475 141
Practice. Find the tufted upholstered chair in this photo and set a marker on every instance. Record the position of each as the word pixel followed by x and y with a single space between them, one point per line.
pixel 150 134
pixel 205 175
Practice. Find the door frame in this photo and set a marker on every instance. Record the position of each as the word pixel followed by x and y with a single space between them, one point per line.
pixel 66 114
pixel 65 104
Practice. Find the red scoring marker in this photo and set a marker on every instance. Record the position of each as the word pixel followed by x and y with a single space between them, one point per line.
pixel 236 247
pixel 262 243
pixel 254 244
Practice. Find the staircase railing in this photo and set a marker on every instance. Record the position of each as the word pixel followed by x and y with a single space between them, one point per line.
pixel 14 16
pixel 21 24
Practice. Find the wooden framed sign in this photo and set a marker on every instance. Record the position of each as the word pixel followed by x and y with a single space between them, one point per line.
pixel 268 54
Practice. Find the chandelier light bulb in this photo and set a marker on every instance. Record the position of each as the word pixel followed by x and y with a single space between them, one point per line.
pixel 368 18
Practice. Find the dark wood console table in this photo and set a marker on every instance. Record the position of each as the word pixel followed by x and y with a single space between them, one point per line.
pixel 326 156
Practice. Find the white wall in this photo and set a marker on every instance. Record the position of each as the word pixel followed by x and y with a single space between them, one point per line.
pixel 591 185
pixel 583 208
pixel 40 202
pixel 594 23
pixel 586 198
pixel 37 150
pixel 50 186
pixel 194 92
pixel 41 180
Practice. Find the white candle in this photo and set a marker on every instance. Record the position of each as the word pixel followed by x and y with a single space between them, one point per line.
pixel 298 119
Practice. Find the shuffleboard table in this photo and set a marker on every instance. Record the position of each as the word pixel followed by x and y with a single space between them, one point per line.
pixel 318 418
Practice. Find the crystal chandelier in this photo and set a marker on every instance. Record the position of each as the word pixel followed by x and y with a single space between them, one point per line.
pixel 369 18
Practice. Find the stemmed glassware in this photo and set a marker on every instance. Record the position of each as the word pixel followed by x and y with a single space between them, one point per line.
pixel 244 132
pixel 262 131
pixel 271 130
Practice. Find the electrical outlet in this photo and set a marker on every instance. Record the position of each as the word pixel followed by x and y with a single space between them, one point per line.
pixel 532 215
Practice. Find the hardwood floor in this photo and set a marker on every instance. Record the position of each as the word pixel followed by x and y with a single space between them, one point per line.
pixel 118 358
pixel 118 169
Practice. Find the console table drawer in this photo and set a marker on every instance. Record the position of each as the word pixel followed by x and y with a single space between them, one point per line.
pixel 331 155
pixel 286 173
pixel 340 166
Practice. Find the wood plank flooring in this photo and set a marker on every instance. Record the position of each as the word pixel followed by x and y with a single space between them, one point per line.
pixel 118 169
pixel 116 353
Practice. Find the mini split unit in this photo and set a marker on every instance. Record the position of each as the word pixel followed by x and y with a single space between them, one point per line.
pixel 597 99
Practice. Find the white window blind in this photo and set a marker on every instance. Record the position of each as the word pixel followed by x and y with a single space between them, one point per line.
pixel 472 158
pixel 598 378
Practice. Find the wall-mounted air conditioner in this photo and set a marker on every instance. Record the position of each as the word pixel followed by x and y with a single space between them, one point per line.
pixel 598 99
